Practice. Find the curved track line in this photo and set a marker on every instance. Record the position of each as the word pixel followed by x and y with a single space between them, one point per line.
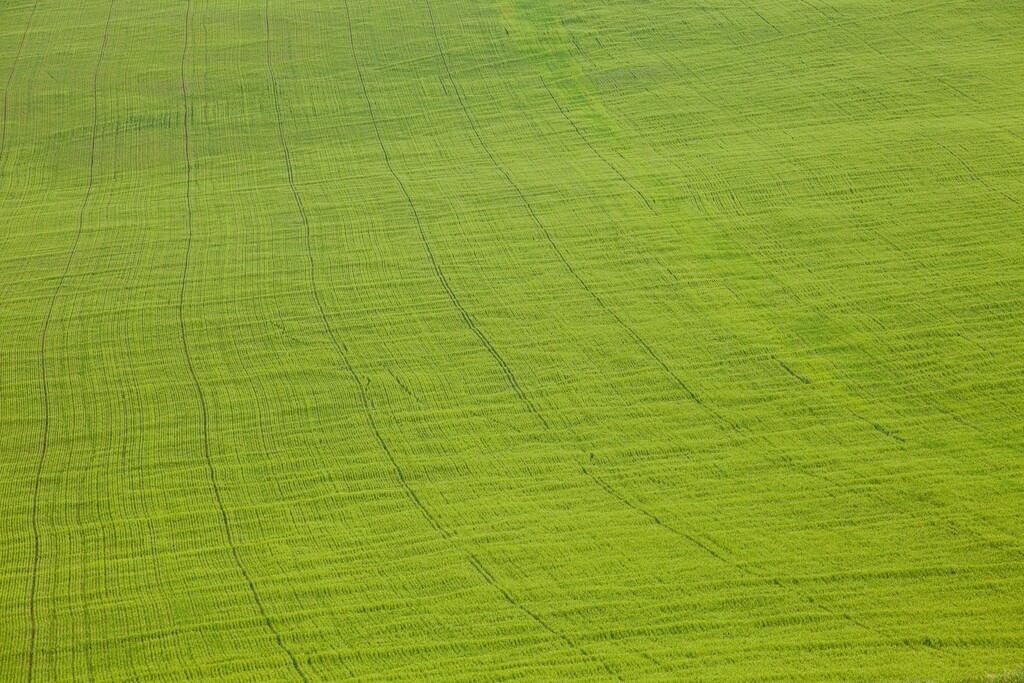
pixel 197 386
pixel 974 175
pixel 429 516
pixel 951 525
pixel 608 489
pixel 438 272
pixel 339 346
pixel 10 78
pixel 629 329
pixel 3 119
pixel 44 445
pixel 729 562
pixel 595 150
pixel 977 177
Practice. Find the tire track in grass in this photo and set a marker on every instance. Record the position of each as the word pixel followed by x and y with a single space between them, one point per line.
pixel 438 272
pixel 955 528
pixel 558 252
pixel 10 79
pixel 45 442
pixel 888 433
pixel 572 644
pixel 885 432
pixel 594 149
pixel 630 331
pixel 450 537
pixel 339 346
pixel 722 558
pixel 952 526
pixel 878 428
pixel 705 547
pixel 432 520
pixel 976 177
pixel 197 385
pixel 838 25
pixel 126 485
pixel 3 123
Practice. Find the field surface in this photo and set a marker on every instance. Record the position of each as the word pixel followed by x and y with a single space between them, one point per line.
pixel 511 339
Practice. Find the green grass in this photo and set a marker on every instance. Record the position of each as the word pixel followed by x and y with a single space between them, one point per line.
pixel 512 339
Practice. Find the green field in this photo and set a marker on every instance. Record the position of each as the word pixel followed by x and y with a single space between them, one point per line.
pixel 643 340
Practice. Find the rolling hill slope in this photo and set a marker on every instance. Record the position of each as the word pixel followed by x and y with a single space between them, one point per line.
pixel 511 340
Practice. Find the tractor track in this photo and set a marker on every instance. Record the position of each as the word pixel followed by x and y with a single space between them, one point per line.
pixel 45 442
pixel 10 79
pixel 722 558
pixel 953 527
pixel 629 329
pixel 949 86
pixel 703 546
pixel 432 520
pixel 197 385
pixel 342 351
pixel 950 525
pixel 595 150
pixel 3 122
pixel 339 346
pixel 438 272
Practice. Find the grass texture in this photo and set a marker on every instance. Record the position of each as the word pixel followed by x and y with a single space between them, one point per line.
pixel 511 339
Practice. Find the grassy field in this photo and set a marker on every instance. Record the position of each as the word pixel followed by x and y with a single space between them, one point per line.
pixel 511 339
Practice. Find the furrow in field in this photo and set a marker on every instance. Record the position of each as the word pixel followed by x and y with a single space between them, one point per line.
pixel 199 391
pixel 438 272
pixel 524 200
pixel 47 408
